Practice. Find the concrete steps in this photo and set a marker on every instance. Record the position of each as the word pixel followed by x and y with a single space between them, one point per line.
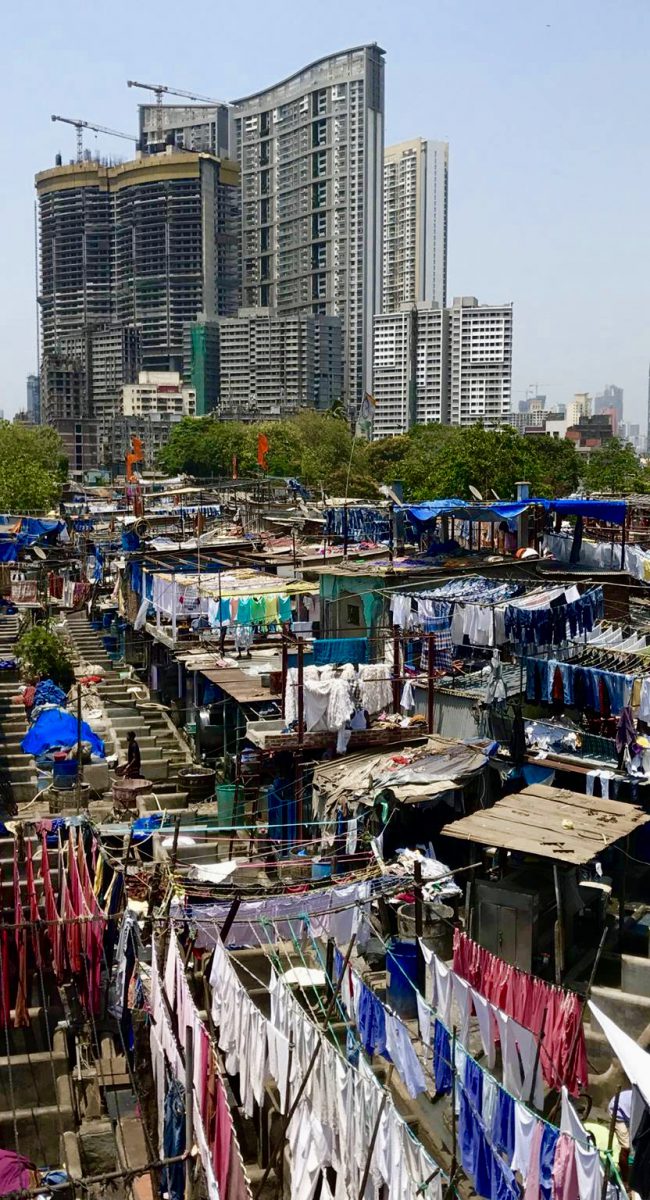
pixel 162 749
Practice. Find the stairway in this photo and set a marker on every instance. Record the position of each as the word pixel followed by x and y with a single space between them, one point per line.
pixel 16 768
pixel 163 750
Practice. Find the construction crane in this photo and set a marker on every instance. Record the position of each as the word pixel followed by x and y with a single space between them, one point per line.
pixel 162 89
pixel 81 125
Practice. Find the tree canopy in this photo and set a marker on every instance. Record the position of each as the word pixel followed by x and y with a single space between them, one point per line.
pixel 32 467
pixel 431 460
pixel 615 468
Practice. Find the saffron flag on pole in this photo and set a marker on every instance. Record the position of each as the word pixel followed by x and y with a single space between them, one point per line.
pixel 262 450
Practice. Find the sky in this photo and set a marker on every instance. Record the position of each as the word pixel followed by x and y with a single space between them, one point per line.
pixel 544 104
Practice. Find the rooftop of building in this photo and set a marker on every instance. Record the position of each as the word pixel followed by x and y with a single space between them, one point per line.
pixel 309 67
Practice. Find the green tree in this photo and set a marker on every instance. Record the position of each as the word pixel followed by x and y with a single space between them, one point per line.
pixel 555 466
pixel 44 655
pixel 30 468
pixel 614 468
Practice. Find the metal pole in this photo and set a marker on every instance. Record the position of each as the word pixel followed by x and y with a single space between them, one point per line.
pixel 79 766
pixel 301 691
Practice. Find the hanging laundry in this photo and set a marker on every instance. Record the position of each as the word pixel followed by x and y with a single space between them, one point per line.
pixel 442 1071
pixel 563 1057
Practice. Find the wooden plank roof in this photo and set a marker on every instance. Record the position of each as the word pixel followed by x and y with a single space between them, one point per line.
pixel 551 823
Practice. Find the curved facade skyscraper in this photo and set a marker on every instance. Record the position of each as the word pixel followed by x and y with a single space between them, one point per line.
pixel 311 152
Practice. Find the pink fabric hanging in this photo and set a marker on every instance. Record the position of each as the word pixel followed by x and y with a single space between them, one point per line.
pixel 563 1055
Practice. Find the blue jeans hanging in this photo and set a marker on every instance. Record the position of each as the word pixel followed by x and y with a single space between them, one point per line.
pixel 173 1176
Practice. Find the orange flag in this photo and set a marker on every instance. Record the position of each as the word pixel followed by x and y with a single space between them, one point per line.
pixel 262 450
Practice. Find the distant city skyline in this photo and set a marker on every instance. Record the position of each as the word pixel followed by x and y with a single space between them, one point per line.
pixel 525 224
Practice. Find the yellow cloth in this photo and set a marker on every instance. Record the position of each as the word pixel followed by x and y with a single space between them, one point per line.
pixel 99 874
pixel 271 607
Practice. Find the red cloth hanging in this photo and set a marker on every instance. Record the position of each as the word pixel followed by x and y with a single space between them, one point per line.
pixel 34 914
pixel 21 1014
pixel 522 996
pixel 52 937
pixel 5 991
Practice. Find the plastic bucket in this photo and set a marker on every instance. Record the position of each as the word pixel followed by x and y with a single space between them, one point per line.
pixel 320 870
pixel 402 972
pixel 64 774
pixel 225 803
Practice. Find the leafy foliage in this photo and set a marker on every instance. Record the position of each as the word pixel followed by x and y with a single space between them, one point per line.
pixel 44 655
pixel 615 468
pixel 431 460
pixel 31 468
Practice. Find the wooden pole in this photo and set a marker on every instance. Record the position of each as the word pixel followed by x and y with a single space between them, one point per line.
pixel 230 916
pixel 396 670
pixel 559 928
pixel 538 1051
pixel 454 1145
pixel 419 923
pixel 189 1109
pixel 610 1141
pixel 431 646
pixel 310 1066
pixel 373 1138
pixel 345 530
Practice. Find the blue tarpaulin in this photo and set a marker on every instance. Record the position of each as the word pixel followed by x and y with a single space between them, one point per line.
pixel 8 551
pixel 56 727
pixel 501 510
pixel 47 692
pixel 599 510
pixel 31 528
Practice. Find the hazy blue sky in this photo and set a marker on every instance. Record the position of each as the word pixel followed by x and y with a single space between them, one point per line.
pixel 545 106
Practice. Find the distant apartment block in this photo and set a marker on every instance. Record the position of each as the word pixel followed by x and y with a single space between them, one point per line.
pixel 451 366
pixel 415 223
pixel 410 368
pixel 33 406
pixel 160 392
pixel 480 362
pixel 272 365
pixel 311 156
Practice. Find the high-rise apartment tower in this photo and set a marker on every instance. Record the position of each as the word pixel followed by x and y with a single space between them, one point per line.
pixel 311 156
pixel 415 223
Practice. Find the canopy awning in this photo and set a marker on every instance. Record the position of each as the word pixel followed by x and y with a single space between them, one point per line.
pixel 551 823
pixel 500 510
pixel 612 511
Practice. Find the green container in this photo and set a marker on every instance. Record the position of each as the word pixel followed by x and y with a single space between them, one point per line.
pixel 225 803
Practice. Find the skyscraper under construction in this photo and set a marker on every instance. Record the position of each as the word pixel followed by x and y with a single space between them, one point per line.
pixel 145 245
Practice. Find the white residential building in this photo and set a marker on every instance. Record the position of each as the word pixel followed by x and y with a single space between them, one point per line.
pixel 409 368
pixel 311 154
pixel 480 362
pixel 451 366
pixel 580 406
pixel 415 223
pixel 271 365
pixel 160 392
